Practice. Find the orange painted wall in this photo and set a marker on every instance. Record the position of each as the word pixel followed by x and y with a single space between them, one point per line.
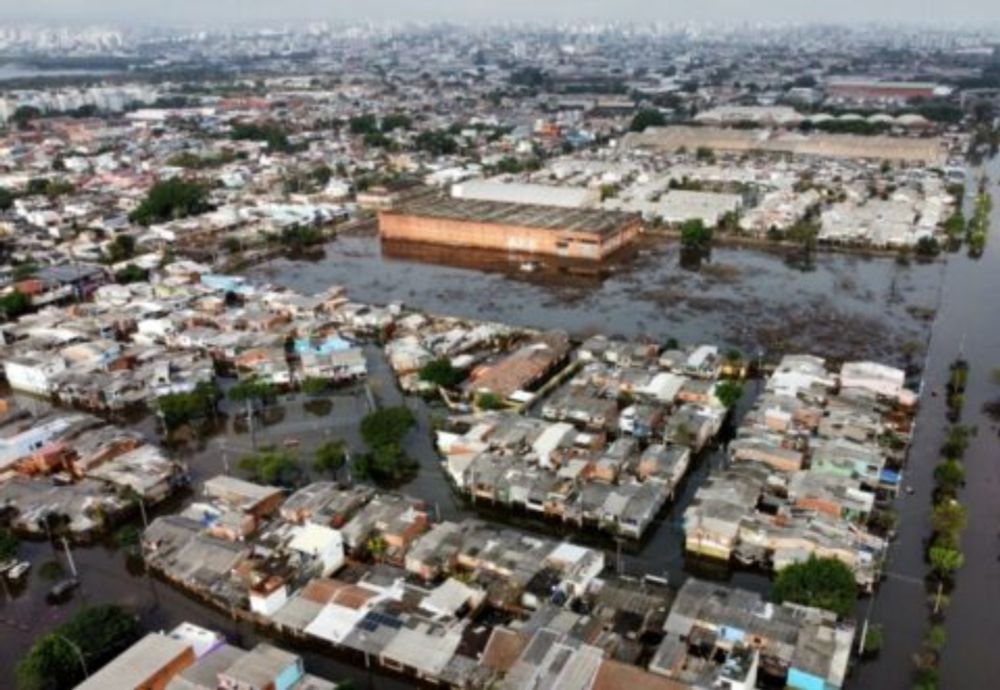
pixel 500 237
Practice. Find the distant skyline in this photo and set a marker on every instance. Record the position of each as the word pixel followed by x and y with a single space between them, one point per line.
pixel 215 13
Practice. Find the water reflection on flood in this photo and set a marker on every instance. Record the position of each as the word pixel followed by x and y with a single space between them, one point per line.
pixel 839 305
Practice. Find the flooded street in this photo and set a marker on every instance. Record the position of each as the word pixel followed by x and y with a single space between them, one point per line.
pixel 842 306
pixel 967 320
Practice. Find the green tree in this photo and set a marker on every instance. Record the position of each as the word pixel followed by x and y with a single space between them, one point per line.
pixel 24 114
pixel 171 199
pixel 440 372
pixel 131 274
pixel 395 121
pixel 728 393
pixel 321 174
pixel 9 544
pixel 253 390
pixel 97 633
pixel 824 583
pixel 121 248
pixel 13 304
pixel 363 124
pixel 874 639
pixel 936 637
pixel 299 237
pixel 273 134
pixel 957 440
pixel 377 547
pixel 489 401
pixel 330 457
pixel 6 199
pixel 177 409
pixel 377 140
pixel 647 117
pixel 949 476
pixel 314 385
pixel 273 467
pixel 945 561
pixel 948 517
pixel 883 521
pixel 695 235
pixel 383 432
pixel 928 247
pixel 387 426
pixel 436 142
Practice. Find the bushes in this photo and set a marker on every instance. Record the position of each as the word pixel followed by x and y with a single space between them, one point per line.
pixel 300 237
pixel 728 393
pixel 489 401
pixel 315 386
pixel 440 372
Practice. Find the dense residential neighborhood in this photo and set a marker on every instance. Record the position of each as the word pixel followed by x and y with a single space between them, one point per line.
pixel 585 356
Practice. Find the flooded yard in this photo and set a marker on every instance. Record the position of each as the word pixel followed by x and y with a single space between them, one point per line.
pixel 837 305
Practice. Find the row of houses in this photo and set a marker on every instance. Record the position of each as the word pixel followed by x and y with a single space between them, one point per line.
pixel 812 463
pixel 72 471
pixel 190 657
pixel 471 604
pixel 134 343
pixel 607 448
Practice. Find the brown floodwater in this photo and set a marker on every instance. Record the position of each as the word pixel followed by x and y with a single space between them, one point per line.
pixel 838 305
pixel 834 304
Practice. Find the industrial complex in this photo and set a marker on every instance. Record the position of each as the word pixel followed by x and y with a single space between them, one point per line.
pixel 928 151
pixel 510 227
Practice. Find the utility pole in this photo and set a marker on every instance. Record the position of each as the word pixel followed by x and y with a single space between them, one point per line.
pixel 253 432
pixel 142 511
pixel 69 556
pixel 76 650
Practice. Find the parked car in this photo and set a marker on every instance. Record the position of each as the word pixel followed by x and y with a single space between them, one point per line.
pixel 62 590
pixel 18 571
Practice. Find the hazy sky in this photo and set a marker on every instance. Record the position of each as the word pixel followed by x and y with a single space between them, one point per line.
pixel 193 12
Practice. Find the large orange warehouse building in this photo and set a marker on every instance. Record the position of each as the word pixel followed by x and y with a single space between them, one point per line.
pixel 510 227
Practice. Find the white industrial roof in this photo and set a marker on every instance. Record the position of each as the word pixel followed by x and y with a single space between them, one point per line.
pixel 522 193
